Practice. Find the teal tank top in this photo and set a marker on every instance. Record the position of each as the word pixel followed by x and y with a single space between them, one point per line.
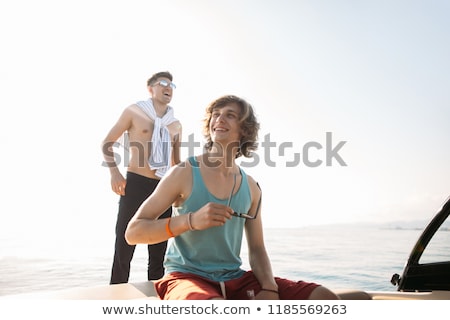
pixel 213 253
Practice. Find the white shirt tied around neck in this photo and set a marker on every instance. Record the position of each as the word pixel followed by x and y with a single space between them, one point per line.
pixel 160 155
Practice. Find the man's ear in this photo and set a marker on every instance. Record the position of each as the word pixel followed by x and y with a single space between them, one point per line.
pixel 150 90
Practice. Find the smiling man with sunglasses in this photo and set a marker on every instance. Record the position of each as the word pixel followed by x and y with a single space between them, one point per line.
pixel 154 137
pixel 214 203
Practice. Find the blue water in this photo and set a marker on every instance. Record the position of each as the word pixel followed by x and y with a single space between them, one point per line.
pixel 339 257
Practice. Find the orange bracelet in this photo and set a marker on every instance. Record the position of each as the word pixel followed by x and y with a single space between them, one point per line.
pixel 169 232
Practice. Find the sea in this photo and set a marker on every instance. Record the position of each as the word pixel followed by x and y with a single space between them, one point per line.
pixel 360 257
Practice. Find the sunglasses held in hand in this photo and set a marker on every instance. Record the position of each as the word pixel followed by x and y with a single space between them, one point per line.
pixel 244 215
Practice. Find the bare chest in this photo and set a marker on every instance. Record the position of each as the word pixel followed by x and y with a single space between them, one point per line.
pixel 143 126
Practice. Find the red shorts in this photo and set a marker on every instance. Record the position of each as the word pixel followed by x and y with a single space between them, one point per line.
pixel 187 286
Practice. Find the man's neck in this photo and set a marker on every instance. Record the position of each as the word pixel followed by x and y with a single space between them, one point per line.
pixel 160 108
pixel 224 163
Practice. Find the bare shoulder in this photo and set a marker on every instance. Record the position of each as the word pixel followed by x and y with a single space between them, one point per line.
pixel 128 113
pixel 253 185
pixel 180 176
pixel 251 180
pixel 140 123
pixel 180 170
pixel 133 111
pixel 175 126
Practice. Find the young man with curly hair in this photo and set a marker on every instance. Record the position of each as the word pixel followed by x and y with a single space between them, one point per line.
pixel 215 202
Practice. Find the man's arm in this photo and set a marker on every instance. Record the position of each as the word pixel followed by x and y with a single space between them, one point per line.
pixel 174 187
pixel 123 124
pixel 258 257
pixel 176 156
pixel 144 226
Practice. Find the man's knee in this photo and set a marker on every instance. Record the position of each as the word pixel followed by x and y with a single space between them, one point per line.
pixel 322 293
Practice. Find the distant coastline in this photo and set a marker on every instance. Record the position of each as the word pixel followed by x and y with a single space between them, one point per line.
pixel 418 225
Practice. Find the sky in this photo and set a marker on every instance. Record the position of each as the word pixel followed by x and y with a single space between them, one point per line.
pixel 352 97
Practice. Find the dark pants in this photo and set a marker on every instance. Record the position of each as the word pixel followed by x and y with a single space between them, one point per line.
pixel 138 188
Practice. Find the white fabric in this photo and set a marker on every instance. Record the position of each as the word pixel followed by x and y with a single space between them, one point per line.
pixel 160 155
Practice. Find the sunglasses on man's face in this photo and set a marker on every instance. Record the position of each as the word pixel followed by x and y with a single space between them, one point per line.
pixel 244 215
pixel 165 83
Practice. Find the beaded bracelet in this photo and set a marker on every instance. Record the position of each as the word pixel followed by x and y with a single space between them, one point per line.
pixel 189 222
pixel 169 232
pixel 270 290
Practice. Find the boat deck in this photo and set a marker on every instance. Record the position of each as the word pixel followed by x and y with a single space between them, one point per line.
pixel 146 290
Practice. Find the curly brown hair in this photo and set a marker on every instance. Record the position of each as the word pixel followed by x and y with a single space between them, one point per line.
pixel 249 124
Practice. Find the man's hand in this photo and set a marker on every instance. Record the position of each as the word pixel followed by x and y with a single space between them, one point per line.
pixel 118 184
pixel 211 215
